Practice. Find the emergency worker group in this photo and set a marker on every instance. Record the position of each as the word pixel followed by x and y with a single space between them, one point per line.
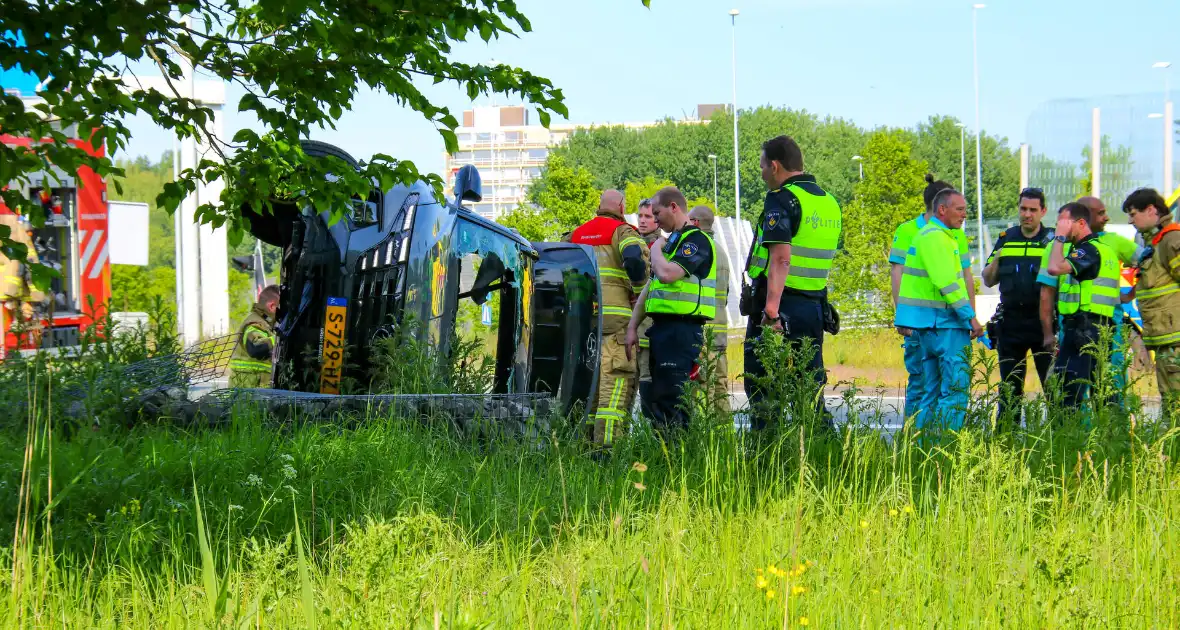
pixel 665 289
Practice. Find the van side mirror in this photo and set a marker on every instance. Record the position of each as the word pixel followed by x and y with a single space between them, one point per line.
pixel 468 185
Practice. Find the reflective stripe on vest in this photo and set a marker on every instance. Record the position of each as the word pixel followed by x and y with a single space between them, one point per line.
pixel 249 366
pixel 813 247
pixel 689 295
pixel 1100 296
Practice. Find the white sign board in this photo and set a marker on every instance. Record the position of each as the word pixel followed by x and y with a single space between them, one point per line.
pixel 129 233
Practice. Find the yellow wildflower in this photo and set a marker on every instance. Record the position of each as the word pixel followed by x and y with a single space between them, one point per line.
pixel 909 509
pixel 798 590
pixel 761 582
pixel 864 524
pixel 770 593
pixel 892 512
pixel 804 621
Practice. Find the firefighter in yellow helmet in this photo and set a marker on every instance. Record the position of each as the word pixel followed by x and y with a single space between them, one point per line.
pixel 250 363
pixel 623 270
pixel 717 330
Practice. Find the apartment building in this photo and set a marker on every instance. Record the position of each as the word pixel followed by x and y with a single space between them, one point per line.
pixel 509 149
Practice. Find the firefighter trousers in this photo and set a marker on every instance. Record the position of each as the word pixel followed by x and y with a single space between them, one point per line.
pixel 608 417
pixel 1167 376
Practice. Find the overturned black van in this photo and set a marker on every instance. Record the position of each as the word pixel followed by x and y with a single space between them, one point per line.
pixel 405 256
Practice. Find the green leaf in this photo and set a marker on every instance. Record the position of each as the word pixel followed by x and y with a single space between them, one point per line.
pixel 307 595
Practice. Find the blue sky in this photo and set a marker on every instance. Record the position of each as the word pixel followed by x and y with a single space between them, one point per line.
pixel 876 62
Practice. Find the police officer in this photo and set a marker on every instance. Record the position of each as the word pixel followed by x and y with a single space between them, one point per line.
pixel 1093 269
pixel 794 244
pixel 903 237
pixel 649 231
pixel 623 271
pixel 933 305
pixel 1053 292
pixel 681 298
pixel 1158 290
pixel 250 363
pixel 717 330
pixel 1014 264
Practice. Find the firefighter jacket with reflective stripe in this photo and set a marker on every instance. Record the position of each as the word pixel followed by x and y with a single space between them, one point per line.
pixel 610 237
pixel 1019 264
pixel 813 247
pixel 1099 296
pixel 1158 289
pixel 258 324
pixel 689 296
pixel 718 327
pixel 932 292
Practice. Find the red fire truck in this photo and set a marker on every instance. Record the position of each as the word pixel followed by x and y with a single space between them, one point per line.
pixel 74 240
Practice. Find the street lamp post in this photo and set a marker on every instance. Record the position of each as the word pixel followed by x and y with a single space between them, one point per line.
pixel 737 182
pixel 962 155
pixel 1168 127
pixel 713 158
pixel 860 164
pixel 978 129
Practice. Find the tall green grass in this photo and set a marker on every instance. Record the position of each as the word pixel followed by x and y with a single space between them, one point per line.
pixel 397 523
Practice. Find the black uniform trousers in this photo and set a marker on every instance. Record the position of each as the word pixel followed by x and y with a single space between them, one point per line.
pixel 805 320
pixel 1075 364
pixel 1018 334
pixel 675 346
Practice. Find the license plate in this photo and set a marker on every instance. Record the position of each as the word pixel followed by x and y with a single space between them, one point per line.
pixel 333 354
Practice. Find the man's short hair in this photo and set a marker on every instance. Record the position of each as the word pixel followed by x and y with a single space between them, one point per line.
pixel 1034 193
pixel 703 216
pixel 645 202
pixel 785 151
pixel 268 293
pixel 1077 211
pixel 669 195
pixel 1144 197
pixel 942 198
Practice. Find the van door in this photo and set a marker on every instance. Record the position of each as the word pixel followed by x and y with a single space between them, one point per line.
pixel 566 298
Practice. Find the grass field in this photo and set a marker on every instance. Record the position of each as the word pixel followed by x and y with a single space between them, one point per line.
pixel 400 523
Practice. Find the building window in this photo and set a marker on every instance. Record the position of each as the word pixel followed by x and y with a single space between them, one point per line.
pixel 483 137
pixel 533 172
pixel 461 156
pixel 538 154
pixel 512 136
pixel 483 156
pixel 464 137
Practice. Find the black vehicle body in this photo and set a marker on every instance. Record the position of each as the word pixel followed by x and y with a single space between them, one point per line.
pixel 403 257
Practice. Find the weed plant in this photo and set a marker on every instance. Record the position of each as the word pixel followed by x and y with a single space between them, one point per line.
pixel 1071 521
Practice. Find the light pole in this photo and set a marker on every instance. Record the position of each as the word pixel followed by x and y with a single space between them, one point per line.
pixel 713 157
pixel 978 130
pixel 860 164
pixel 1168 127
pixel 962 155
pixel 737 181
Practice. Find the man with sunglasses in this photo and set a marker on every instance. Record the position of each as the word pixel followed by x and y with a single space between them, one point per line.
pixel 1014 264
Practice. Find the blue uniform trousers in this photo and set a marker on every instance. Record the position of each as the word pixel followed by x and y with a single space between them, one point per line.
pixel 915 386
pixel 945 377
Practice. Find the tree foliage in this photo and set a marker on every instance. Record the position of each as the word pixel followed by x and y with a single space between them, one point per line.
pixel 623 158
pixel 301 63
pixel 890 194
pixel 564 199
